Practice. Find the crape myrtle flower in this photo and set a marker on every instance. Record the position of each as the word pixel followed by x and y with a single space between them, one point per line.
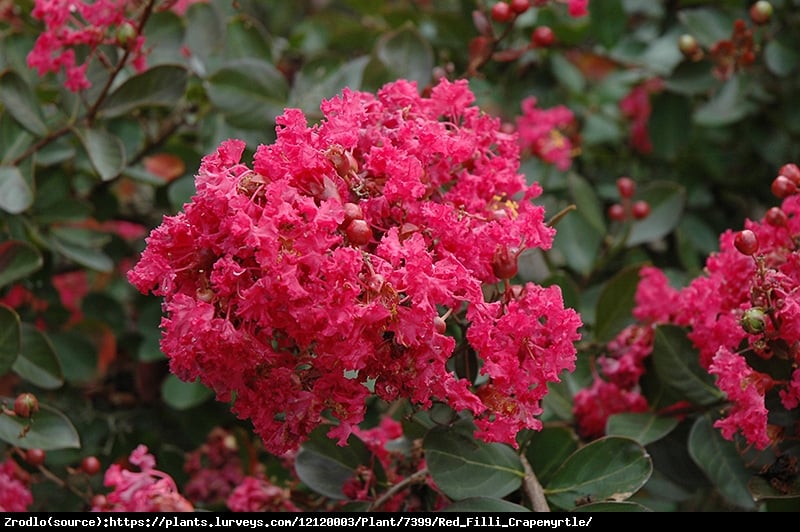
pixel 330 269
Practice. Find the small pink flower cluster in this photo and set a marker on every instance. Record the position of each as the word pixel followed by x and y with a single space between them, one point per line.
pixel 73 24
pixel 636 107
pixel 332 268
pixel 214 469
pixel 545 132
pixel 743 316
pixel 15 495
pixel 145 490
pixel 258 494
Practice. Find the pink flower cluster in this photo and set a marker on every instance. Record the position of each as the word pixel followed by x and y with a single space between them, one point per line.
pixel 74 24
pixel 636 107
pixel 743 316
pixel 214 469
pixel 15 495
pixel 145 490
pixel 546 133
pixel 257 494
pixel 332 268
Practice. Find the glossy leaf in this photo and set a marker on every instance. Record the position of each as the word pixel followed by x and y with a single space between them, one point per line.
pixel 15 192
pixel 678 367
pixel 406 54
pixel 160 86
pixel 21 103
pixel 89 257
pixel 182 395
pixel 615 303
pixel 464 467
pixel 607 469
pixel 37 362
pixel 721 462
pixel 548 448
pixel 106 152
pixel 48 430
pixel 483 504
pixel 18 259
pixel 644 428
pixel 324 466
pixel 667 202
pixel 10 338
pixel 250 92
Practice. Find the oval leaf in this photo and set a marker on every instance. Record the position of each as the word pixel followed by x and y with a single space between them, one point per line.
pixel 667 201
pixel 615 303
pixel 161 86
pixel 548 449
pixel 15 192
pixel 91 258
pixel 37 362
pixel 324 466
pixel 678 367
pixel 250 92
pixel 463 467
pixel 48 430
pixel 17 260
pixel 182 395
pixel 726 107
pixel 406 54
pixel 610 468
pixel 21 103
pixel 484 504
pixel 645 428
pixel 10 338
pixel 105 151
pixel 721 462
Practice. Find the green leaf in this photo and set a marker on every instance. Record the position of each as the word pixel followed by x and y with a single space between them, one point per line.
pixel 667 201
pixel 250 92
pixel 608 21
pixel 578 240
pixel 320 80
pixel 464 467
pixel 106 152
pixel 77 354
pixel 615 303
pixel 607 469
pixel 669 123
pixel 622 506
pixel 726 107
pixel 18 260
pixel 10 338
pixel 677 365
pixel 247 37
pixel 89 257
pixel 645 428
pixel 567 73
pixel 21 103
pixel 762 490
pixel 781 55
pixel 14 140
pixel 707 25
pixel 160 86
pixel 483 504
pixel 48 430
pixel 37 362
pixel 16 194
pixel 548 448
pixel 324 466
pixel 182 395
pixel 721 462
pixel 407 54
pixel 586 201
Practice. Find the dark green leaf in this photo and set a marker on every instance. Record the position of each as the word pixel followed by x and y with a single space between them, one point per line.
pixel 669 123
pixel 706 24
pixel 10 338
pixel 246 37
pixel 250 92
pixel 37 362
pixel 645 428
pixel 464 467
pixel 614 305
pixel 548 448
pixel 781 54
pixel 21 103
pixel 567 73
pixel 608 21
pixel 14 140
pixel 205 33
pixel 15 192
pixel 762 489
pixel 321 81
pixel 160 86
pixel 721 462
pixel 182 395
pixel 608 469
pixel 586 201
pixel 77 354
pixel 727 106
pixel 18 259
pixel 483 504
pixel 578 240
pixel 48 430
pixel 89 257
pixel 324 466
pixel 678 367
pixel 667 200
pixel 406 54
pixel 105 151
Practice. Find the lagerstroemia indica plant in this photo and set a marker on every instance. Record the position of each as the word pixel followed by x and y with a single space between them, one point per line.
pixel 333 268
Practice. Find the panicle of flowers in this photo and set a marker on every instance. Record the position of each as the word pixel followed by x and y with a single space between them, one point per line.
pixel 547 133
pixel 15 494
pixel 145 490
pixel 74 31
pixel 331 268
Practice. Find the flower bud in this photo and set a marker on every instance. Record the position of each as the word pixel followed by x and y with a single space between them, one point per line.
pixel 125 34
pixel 753 320
pixel 25 405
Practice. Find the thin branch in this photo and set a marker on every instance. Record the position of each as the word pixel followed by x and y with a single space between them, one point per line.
pixel 416 478
pixel 533 489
